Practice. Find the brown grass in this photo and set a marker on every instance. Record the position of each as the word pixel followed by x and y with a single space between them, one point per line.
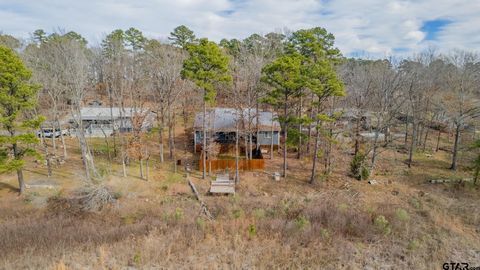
pixel 338 223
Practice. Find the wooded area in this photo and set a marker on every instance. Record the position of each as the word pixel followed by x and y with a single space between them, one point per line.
pixel 137 196
pixel 300 75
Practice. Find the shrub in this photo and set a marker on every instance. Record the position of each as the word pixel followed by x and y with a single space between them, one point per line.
pixel 117 195
pixel 252 230
pixel 129 219
pixel 382 224
pixel 402 214
pixel 358 168
pixel 29 198
pixel 415 203
pixel 324 233
pixel 103 171
pixel 137 258
pixel 259 213
pixel 272 212
pixel 237 213
pixel 343 207
pixel 200 223
pixel 178 215
pixel 413 245
pixel 302 222
pixel 235 198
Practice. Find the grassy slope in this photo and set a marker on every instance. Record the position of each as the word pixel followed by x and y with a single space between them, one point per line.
pixel 401 223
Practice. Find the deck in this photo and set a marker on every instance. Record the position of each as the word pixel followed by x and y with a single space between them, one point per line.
pixel 222 185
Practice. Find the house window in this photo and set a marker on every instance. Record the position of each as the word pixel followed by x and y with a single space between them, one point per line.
pixel 268 135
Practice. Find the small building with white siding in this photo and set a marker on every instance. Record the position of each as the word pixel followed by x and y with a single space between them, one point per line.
pixel 104 121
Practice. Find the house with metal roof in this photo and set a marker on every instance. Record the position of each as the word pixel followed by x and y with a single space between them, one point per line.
pixel 104 121
pixel 221 126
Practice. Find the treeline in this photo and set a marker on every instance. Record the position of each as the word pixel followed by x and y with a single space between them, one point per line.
pixel 300 75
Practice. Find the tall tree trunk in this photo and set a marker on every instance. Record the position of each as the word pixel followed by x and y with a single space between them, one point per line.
pixel 204 158
pixel 309 135
pixel 250 145
pixel 425 140
pixel 412 144
pixel 56 125
pixel 476 174
pixel 315 154
pixel 185 125
pixel 141 168
pixel 455 148
pixel 105 137
pixel 299 153
pixel 86 155
pixel 124 165
pixel 161 147
pixel 161 125
pixel 237 153
pixel 47 155
pixel 285 111
pixel 62 138
pixel 374 151
pixel 123 147
pixel 257 124
pixel 160 138
pixel 174 154
pixel 209 164
pixel 438 140
pixel 406 130
pixel 271 141
pixel 170 141
pixel 54 141
pixel 249 136
pixel 328 153
pixel 147 174
pixel 246 146
pixel 83 149
pixel 418 139
pixel 386 135
pixel 357 135
pixel 111 103
pixel 91 160
pixel 250 148
pixel 21 182
pixel 312 115
pixel 170 131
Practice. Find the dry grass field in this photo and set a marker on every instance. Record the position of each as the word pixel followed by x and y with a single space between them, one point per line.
pixel 402 222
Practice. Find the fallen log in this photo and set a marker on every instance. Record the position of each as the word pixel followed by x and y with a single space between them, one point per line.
pixel 437 181
pixel 27 186
pixel 203 205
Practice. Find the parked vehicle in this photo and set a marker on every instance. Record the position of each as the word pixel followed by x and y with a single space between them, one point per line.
pixel 49 132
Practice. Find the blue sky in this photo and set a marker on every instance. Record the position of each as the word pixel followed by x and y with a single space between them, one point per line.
pixel 433 28
pixel 374 28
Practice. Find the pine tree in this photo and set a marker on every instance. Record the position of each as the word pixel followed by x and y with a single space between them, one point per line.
pixel 206 66
pixel 17 97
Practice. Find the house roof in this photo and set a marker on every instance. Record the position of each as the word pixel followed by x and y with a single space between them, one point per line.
pixel 102 113
pixel 224 119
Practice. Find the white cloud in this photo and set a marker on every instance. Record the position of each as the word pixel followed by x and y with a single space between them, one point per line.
pixel 378 27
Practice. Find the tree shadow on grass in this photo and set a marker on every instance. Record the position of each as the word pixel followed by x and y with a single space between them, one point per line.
pixel 35 172
pixel 9 187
